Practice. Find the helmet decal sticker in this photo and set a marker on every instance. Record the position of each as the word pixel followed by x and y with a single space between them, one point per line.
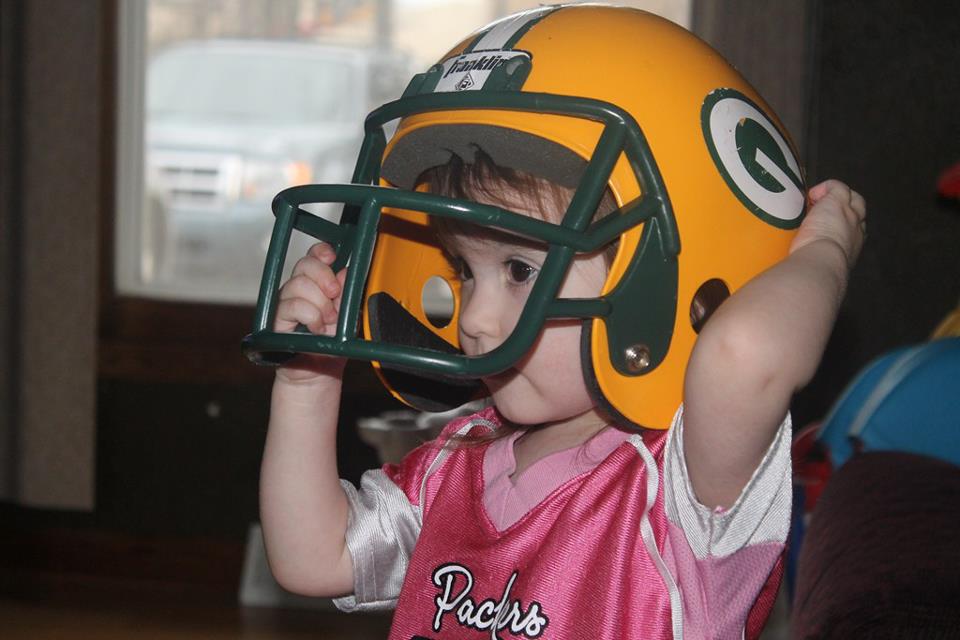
pixel 466 83
pixel 753 157
pixel 470 71
pixel 490 49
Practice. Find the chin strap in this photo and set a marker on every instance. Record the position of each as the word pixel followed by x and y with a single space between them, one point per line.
pixel 390 323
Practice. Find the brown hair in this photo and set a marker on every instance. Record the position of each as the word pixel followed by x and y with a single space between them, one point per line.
pixel 485 181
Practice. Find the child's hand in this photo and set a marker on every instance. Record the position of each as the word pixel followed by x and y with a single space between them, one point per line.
pixel 311 297
pixel 837 214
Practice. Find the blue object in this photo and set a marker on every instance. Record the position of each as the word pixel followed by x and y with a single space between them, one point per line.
pixel 907 400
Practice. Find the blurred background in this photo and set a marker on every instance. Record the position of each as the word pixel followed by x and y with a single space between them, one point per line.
pixel 141 142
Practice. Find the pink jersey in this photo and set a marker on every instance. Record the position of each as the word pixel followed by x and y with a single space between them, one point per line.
pixel 614 552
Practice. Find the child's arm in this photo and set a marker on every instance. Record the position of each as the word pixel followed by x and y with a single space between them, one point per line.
pixel 302 505
pixel 763 344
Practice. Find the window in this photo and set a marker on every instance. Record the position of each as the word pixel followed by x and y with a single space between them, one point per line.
pixel 223 103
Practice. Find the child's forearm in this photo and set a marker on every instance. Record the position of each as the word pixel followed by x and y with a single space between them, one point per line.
pixel 302 506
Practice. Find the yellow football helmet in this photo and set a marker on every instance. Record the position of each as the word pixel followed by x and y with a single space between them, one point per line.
pixel 592 97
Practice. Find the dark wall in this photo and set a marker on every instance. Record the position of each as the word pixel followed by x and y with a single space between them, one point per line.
pixel 885 118
pixel 184 459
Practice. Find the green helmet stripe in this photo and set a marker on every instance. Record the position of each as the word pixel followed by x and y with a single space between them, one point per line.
pixel 505 34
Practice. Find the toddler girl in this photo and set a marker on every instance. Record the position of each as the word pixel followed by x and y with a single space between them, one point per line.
pixel 593 182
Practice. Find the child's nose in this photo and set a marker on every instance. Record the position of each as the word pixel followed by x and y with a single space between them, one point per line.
pixel 479 317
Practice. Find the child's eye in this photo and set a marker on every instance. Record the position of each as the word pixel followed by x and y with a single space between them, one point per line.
pixel 520 272
pixel 462 269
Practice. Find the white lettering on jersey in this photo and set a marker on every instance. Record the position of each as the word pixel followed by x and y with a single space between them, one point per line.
pixel 454 598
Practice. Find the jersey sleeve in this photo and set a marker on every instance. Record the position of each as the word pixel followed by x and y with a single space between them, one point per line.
pixel 722 558
pixel 382 529
pixel 384 521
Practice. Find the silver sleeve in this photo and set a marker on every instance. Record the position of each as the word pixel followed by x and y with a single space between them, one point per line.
pixel 382 530
pixel 760 514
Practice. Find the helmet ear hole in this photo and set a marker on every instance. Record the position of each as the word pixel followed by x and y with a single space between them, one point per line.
pixel 707 299
pixel 438 302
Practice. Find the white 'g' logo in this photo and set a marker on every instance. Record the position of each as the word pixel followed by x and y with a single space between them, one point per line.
pixel 753 157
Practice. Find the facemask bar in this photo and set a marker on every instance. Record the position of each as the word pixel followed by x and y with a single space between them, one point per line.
pixel 354 237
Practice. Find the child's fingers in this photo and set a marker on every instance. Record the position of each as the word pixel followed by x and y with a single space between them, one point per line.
pixel 322 252
pixel 314 292
pixel 317 258
pixel 848 202
pixel 858 204
pixel 819 191
pixel 314 306
pixel 837 213
pixel 831 187
pixel 311 296
pixel 298 311
pixel 313 269
pixel 292 312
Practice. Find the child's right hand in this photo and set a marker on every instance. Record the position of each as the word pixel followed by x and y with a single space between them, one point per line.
pixel 311 297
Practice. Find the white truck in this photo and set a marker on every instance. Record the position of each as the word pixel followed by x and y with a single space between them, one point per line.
pixel 229 124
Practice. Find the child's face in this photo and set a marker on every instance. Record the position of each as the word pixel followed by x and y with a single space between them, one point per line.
pixel 497 274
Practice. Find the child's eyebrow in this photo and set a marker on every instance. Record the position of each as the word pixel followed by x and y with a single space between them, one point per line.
pixel 451 243
pixel 523 243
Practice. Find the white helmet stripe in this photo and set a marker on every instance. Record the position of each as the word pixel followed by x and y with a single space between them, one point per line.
pixel 502 35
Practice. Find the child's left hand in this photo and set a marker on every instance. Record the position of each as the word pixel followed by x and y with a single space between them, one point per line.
pixel 837 214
